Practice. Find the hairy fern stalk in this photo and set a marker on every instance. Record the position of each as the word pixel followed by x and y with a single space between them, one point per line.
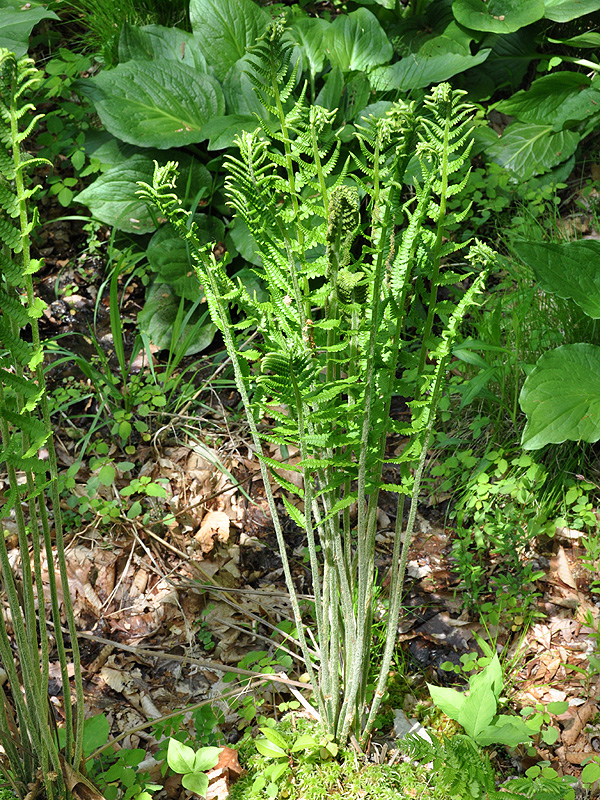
pixel 333 339
pixel 27 727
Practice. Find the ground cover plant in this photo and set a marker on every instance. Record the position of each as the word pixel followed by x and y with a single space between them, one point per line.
pixel 329 246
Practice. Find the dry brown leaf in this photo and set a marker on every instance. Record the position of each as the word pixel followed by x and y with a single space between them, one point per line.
pixel 215 524
pixel 223 775
pixel 581 717
pixel 561 569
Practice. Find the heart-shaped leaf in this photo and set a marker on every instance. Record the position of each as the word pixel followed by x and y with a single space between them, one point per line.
pixel 561 397
pixel 162 314
pixel 155 43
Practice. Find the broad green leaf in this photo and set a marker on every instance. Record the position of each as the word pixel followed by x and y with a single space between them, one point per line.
pixel 304 742
pixel 268 749
pixel 155 490
pixel 155 104
pixel 307 33
pixel 225 29
pixel 508 62
pixel 155 43
pixel 561 397
pixel 591 772
pixel 196 782
pixel 106 476
pixel 498 16
pixel 557 707
pixel 545 98
pixel 159 315
pixel 356 41
pixel 509 731
pixel 206 758
pixel 240 97
pixel 477 711
pixel 180 757
pixel 568 269
pixel 527 149
pixel 275 737
pixel 95 733
pixel 566 10
pixel 17 19
pixel 578 107
pixel 417 72
pixel 447 700
pixel 588 39
pixel 330 95
pixel 168 255
pixel 221 132
pixel 488 680
pixel 112 197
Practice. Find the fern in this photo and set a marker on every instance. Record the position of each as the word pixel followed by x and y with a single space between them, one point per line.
pixel 333 334
pixel 25 427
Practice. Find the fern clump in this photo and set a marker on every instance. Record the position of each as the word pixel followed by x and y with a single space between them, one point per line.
pixel 341 243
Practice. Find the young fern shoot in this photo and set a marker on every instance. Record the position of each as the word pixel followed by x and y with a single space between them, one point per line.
pixel 332 338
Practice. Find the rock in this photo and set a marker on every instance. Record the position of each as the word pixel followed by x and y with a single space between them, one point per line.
pixel 403 726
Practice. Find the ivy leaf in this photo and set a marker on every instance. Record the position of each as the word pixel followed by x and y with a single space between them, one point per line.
pixel 528 149
pixel 498 16
pixel 566 10
pixel 356 41
pixel 569 270
pixel 561 397
pixel 152 104
pixel 225 29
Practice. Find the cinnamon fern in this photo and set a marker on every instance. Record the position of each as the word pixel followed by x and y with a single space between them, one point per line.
pixel 342 242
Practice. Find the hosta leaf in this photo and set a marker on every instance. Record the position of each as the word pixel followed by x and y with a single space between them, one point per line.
pixel 153 104
pixel 418 71
pixel 529 149
pixel 17 19
pixel 508 62
pixel 578 107
pixel 158 317
pixel 566 10
pixel 356 41
pixel 498 16
pixel 155 43
pixel 307 33
pixel 561 397
pixel 569 270
pixel 545 98
pixel 112 197
pixel 225 29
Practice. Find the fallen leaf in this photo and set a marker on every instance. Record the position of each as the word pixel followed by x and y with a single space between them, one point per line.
pixel 561 568
pixel 215 524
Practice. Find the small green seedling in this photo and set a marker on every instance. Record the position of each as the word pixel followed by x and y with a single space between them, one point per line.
pixel 192 764
pixel 539 715
pixel 476 709
pixel 273 745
